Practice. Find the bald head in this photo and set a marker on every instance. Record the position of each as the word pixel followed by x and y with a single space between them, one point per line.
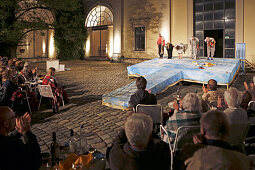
pixel 214 125
pixel 212 84
pixel 7 120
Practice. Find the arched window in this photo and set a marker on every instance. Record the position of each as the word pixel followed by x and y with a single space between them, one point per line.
pixel 98 16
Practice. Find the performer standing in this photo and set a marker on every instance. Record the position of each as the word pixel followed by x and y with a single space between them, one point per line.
pixel 181 48
pixel 210 47
pixel 169 49
pixel 194 47
pixel 161 44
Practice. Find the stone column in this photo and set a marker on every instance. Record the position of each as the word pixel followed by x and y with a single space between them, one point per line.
pixel 117 29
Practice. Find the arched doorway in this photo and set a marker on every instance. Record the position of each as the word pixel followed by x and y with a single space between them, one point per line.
pixel 37 42
pixel 100 31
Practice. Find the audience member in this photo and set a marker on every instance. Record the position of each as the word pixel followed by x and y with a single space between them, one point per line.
pixel 211 151
pixel 135 148
pixel 237 116
pixel 141 96
pixel 16 155
pixel 9 86
pixel 57 89
pixel 251 90
pixel 210 95
pixel 28 72
pixel 247 97
pixel 188 116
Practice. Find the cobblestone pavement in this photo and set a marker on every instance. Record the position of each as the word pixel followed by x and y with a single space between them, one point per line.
pixel 85 84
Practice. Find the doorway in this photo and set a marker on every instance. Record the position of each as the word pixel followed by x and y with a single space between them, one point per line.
pixel 218 36
pixel 100 38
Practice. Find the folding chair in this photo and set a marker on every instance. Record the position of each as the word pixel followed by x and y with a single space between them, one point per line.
pixel 24 91
pixel 184 134
pixel 236 138
pixel 46 91
pixel 154 111
pixel 251 106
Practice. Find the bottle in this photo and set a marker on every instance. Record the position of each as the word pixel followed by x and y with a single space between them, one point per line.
pixel 72 143
pixel 54 149
pixel 83 141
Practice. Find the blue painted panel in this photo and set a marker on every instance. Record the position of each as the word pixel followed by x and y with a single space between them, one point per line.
pixel 161 73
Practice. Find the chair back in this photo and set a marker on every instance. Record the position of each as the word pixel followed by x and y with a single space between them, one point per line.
pixel 45 91
pixel 238 133
pixel 155 111
pixel 185 135
pixel 251 106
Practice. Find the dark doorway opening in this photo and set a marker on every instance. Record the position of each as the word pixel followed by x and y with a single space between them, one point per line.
pixel 218 36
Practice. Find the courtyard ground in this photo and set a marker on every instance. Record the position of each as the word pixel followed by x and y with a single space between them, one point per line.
pixel 85 84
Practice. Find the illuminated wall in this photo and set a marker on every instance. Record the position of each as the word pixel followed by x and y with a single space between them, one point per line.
pixel 179 23
pixel 37 44
pixel 249 25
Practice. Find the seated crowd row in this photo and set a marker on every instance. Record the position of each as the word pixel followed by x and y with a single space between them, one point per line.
pixel 219 145
pixel 16 78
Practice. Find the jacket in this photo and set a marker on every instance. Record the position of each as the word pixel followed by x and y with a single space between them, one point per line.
pixel 216 155
pixel 121 156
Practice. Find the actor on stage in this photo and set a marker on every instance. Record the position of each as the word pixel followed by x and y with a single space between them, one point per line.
pixel 169 49
pixel 210 47
pixel 194 47
pixel 181 48
pixel 161 44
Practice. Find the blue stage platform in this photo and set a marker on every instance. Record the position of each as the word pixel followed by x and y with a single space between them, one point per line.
pixel 163 73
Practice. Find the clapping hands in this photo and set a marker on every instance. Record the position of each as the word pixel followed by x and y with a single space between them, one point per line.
pixel 23 123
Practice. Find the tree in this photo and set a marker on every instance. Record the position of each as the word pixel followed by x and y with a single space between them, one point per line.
pixel 70 32
pixel 16 19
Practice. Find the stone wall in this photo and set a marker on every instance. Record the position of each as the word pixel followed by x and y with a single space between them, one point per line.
pixel 142 13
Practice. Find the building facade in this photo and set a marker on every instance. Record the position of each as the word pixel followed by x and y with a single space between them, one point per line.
pixel 130 28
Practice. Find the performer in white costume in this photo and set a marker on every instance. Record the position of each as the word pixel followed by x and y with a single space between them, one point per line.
pixel 210 47
pixel 181 48
pixel 194 47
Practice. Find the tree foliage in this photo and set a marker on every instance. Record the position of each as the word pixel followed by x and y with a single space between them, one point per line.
pixel 17 17
pixel 15 23
pixel 70 32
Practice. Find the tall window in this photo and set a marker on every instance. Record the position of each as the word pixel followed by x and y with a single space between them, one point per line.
pixel 140 39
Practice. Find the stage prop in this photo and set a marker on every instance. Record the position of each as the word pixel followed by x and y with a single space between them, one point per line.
pixel 163 73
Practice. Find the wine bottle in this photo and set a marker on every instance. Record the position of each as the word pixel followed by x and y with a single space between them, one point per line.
pixel 54 148
pixel 72 143
pixel 83 141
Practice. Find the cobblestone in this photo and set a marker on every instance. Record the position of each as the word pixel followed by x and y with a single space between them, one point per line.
pixel 85 84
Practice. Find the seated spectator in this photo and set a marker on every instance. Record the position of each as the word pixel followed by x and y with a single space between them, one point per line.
pixel 188 116
pixel 57 89
pixel 18 66
pixel 211 151
pixel 15 155
pixel 251 90
pixel 141 96
pixel 210 95
pixel 237 116
pixel 28 72
pixel 247 97
pixel 135 148
pixel 9 86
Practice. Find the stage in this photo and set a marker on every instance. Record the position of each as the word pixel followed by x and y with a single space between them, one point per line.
pixel 163 73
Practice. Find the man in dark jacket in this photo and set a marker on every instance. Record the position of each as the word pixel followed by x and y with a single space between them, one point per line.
pixel 210 149
pixel 14 154
pixel 135 148
pixel 141 95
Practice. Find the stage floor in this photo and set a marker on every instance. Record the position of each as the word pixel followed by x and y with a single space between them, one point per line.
pixel 163 73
